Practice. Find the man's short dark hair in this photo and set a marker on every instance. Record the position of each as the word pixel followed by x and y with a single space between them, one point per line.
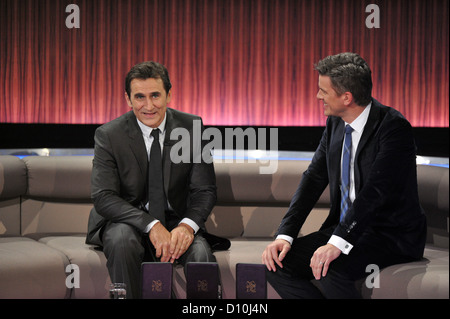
pixel 146 70
pixel 348 73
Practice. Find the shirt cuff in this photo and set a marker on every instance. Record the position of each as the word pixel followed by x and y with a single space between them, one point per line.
pixel 340 243
pixel 191 223
pixel 287 238
pixel 150 226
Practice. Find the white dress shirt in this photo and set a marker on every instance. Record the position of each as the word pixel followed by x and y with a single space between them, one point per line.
pixel 148 139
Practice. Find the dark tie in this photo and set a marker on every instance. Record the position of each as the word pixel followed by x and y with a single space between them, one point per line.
pixel 156 196
pixel 345 172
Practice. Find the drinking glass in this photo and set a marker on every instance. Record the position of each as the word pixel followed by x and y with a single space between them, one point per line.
pixel 118 291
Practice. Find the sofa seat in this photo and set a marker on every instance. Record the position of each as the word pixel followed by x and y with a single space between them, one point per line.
pixel 30 269
pixel 424 279
pixel 94 279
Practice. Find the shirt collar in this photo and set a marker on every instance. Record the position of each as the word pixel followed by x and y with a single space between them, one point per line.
pixel 147 130
pixel 359 123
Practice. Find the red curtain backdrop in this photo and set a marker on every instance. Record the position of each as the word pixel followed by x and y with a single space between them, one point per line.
pixel 233 62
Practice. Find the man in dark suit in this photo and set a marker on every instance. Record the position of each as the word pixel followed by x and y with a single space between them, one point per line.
pixel 123 220
pixel 377 219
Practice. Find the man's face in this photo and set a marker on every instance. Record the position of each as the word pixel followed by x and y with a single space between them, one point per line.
pixel 149 100
pixel 333 104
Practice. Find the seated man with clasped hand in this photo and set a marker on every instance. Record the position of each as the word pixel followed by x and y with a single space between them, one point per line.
pixel 144 203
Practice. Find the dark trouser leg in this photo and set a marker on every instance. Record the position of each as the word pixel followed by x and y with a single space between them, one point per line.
pixel 333 286
pixel 292 288
pixel 336 285
pixel 125 249
pixel 295 279
pixel 199 251
pixel 122 245
pixel 344 271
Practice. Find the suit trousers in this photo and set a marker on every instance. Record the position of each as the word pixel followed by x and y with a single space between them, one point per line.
pixel 296 281
pixel 126 249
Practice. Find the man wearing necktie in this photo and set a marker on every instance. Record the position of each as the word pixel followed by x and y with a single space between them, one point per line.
pixel 367 158
pixel 144 203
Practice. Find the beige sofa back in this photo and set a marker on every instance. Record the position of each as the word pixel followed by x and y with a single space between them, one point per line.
pixel 44 195
pixel 252 204
pixel 434 197
pixel 13 185
pixel 51 195
pixel 58 199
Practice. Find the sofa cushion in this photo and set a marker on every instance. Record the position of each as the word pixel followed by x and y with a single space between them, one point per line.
pixel 433 194
pixel 256 221
pixel 424 279
pixel 42 217
pixel 30 269
pixel 13 177
pixel 53 178
pixel 58 199
pixel 244 184
pixel 10 217
pixel 91 262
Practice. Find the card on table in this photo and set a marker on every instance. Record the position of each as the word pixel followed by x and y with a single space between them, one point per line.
pixel 251 281
pixel 202 280
pixel 156 280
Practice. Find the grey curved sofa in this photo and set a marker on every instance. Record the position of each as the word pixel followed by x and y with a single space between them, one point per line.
pixel 45 204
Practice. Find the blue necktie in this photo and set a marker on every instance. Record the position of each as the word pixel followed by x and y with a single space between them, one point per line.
pixel 345 172
pixel 156 195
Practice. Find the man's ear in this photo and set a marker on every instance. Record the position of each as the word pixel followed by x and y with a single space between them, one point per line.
pixel 127 98
pixel 348 98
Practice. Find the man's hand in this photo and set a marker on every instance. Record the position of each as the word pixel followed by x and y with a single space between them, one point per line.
pixel 322 258
pixel 276 251
pixel 182 237
pixel 160 238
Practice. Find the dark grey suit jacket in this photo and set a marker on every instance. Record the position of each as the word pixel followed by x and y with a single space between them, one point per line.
pixel 119 175
pixel 386 210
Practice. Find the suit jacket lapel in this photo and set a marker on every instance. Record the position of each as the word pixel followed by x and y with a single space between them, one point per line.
pixel 168 143
pixel 337 139
pixel 137 144
pixel 334 162
pixel 372 122
pixel 369 129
